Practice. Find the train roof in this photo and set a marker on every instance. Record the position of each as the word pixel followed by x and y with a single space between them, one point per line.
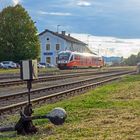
pixel 78 53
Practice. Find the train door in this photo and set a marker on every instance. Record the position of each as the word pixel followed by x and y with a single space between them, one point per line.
pixel 81 60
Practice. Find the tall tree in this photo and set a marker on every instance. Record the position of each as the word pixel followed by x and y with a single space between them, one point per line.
pixel 18 35
pixel 132 60
pixel 138 58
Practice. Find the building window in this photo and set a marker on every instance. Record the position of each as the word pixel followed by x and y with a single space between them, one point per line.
pixel 48 59
pixel 48 47
pixel 57 47
pixel 48 39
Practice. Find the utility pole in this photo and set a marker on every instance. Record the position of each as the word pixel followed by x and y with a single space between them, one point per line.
pixel 58 28
pixel 88 40
pixel 99 50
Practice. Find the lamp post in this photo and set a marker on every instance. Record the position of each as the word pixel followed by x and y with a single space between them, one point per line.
pixel 88 40
pixel 58 28
pixel 99 50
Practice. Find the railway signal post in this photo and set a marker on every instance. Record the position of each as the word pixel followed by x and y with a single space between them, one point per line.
pixel 28 72
pixel 24 126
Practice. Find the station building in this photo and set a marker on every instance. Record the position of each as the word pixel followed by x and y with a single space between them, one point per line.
pixel 52 43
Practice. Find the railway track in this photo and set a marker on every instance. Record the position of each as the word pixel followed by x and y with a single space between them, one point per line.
pixel 56 92
pixel 49 78
pixel 52 78
pixel 47 73
pixel 58 72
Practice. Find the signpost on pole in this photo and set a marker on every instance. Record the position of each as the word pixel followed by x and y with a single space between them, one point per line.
pixel 29 72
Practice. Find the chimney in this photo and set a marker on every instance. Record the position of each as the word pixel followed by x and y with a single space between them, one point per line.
pixel 69 35
pixel 63 32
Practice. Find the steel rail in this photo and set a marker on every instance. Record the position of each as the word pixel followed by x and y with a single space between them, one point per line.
pixel 48 73
pixel 56 96
pixel 21 94
pixel 53 88
pixel 54 72
pixel 42 79
pixel 50 78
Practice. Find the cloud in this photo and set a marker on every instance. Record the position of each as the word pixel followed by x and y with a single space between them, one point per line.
pixel 110 46
pixel 15 2
pixel 83 3
pixel 5 3
pixel 54 13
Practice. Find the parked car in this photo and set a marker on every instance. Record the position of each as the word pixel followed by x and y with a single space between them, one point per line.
pixel 8 64
pixel 41 65
pixel 48 65
pixel 1 65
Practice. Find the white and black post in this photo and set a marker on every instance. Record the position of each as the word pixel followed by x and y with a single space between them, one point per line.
pixel 28 72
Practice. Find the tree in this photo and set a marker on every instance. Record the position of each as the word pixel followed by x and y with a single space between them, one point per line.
pixel 132 60
pixel 18 35
pixel 138 57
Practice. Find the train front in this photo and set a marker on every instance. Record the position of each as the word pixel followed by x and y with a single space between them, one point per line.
pixel 63 59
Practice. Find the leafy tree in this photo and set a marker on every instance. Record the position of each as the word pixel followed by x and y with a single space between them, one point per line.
pixel 138 57
pixel 133 59
pixel 18 35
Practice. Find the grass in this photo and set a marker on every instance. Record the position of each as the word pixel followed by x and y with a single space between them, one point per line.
pixel 9 71
pixel 43 70
pixel 111 112
pixel 13 71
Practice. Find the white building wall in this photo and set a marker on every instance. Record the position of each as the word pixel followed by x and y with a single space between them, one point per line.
pixel 53 53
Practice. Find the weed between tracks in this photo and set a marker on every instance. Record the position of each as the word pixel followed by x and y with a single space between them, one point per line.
pixel 111 112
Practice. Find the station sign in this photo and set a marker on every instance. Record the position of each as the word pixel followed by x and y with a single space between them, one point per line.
pixel 48 53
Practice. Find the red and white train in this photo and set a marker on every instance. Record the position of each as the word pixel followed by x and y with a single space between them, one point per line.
pixel 70 60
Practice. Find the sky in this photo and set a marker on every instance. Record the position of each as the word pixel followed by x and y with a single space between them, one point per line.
pixel 93 19
pixel 110 46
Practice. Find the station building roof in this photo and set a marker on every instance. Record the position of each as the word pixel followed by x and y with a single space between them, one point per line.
pixel 64 36
pixel 67 38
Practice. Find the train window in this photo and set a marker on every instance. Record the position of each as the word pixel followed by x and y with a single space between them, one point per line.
pixel 63 56
pixel 77 57
pixel 96 61
pixel 93 60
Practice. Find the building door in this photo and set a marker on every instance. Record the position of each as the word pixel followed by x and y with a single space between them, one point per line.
pixel 48 60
